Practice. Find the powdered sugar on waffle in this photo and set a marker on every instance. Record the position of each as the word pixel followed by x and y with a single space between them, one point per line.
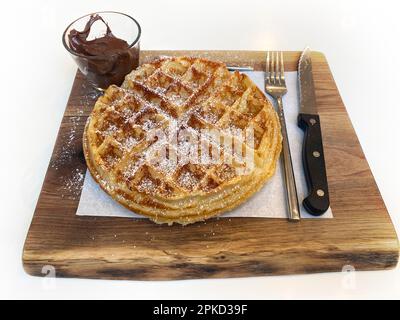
pixel 181 95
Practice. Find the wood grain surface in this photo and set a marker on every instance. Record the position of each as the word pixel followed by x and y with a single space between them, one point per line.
pixel 361 233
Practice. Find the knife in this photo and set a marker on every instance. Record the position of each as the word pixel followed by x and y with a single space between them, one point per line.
pixel 317 201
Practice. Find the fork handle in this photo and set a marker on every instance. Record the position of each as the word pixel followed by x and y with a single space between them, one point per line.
pixel 317 202
pixel 293 204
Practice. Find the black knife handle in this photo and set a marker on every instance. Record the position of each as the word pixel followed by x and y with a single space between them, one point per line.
pixel 317 202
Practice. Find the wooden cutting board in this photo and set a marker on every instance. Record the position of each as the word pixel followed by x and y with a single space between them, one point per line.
pixel 361 233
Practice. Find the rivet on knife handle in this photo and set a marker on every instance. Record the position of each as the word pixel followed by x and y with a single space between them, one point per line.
pixel 317 201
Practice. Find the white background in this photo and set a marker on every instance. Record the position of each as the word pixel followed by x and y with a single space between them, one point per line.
pixel 359 38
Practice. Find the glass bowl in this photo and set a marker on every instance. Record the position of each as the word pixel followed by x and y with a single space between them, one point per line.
pixel 105 69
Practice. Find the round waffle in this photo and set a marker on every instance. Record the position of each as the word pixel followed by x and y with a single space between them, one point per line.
pixel 182 140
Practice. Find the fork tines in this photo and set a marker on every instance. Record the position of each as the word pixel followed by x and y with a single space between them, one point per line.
pixel 275 72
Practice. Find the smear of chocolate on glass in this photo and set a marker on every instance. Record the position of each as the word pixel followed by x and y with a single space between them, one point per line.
pixel 106 59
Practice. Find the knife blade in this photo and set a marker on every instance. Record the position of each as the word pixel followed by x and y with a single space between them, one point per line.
pixel 317 200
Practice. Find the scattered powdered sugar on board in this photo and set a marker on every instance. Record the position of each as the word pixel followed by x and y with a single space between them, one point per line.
pixel 66 150
pixel 72 185
pixel 88 100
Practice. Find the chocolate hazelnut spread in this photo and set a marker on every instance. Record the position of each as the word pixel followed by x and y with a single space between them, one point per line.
pixel 104 60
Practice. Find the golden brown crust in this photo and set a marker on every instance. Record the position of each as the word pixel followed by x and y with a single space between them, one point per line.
pixel 187 95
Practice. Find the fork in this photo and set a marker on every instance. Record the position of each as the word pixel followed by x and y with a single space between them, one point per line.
pixel 275 86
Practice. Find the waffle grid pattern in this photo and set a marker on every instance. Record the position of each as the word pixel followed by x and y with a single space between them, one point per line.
pixel 177 131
